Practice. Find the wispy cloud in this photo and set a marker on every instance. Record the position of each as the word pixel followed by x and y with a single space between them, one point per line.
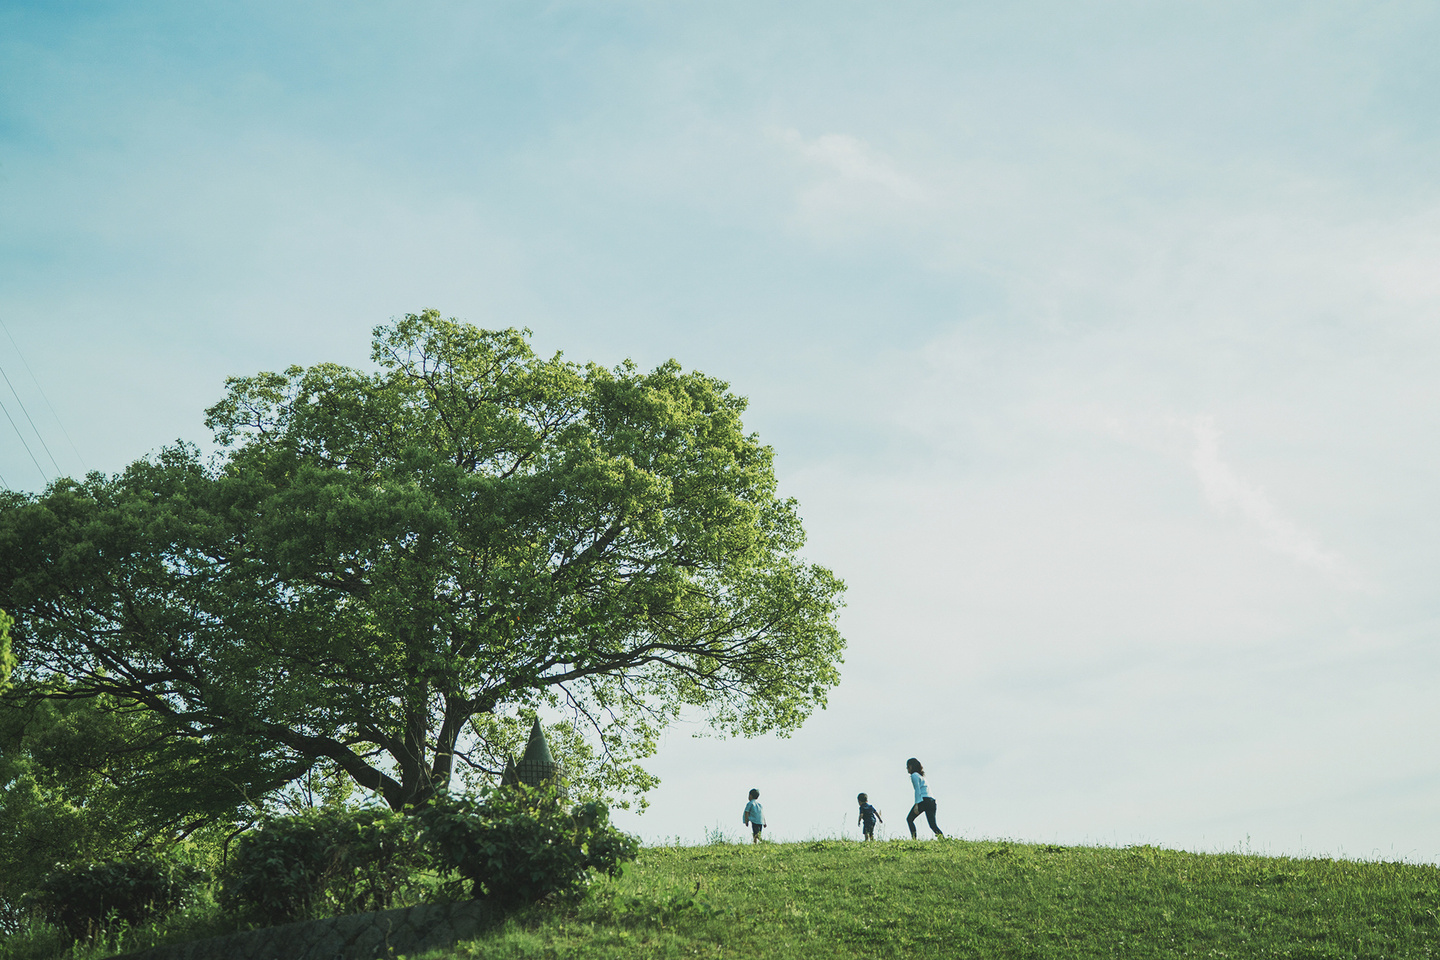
pixel 1229 493
pixel 851 184
pixel 851 160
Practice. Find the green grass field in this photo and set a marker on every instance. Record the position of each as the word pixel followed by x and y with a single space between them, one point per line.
pixel 980 899
pixel 907 899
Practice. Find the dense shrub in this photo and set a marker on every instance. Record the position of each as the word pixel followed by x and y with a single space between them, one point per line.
pixel 322 862
pixel 92 898
pixel 519 844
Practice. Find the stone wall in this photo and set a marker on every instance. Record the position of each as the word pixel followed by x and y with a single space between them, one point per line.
pixel 362 936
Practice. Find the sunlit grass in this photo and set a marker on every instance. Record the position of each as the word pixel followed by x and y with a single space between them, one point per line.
pixel 908 899
pixel 979 899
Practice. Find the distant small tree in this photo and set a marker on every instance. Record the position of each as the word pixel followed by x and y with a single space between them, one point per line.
pixel 7 657
pixel 388 573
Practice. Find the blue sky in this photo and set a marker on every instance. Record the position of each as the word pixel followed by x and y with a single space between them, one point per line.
pixel 1097 341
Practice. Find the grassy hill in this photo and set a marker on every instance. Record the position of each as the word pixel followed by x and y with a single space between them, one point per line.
pixel 978 899
pixel 906 899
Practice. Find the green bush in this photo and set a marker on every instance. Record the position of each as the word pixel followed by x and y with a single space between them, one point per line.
pixel 93 898
pixel 518 844
pixel 322 862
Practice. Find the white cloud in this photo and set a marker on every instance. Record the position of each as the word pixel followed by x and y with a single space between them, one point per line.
pixel 1227 492
pixel 854 161
pixel 852 184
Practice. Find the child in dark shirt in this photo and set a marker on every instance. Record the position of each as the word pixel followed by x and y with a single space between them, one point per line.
pixel 868 816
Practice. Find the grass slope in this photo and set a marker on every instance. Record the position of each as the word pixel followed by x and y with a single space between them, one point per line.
pixel 977 899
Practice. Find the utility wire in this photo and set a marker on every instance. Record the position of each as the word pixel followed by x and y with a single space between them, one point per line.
pixel 22 442
pixel 36 380
pixel 43 445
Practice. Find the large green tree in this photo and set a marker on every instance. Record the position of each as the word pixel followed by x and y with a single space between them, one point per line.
pixel 384 570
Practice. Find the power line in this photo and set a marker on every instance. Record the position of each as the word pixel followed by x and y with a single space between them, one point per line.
pixel 43 445
pixel 50 406
pixel 22 442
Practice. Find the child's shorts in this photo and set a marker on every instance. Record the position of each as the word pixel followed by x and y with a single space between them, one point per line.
pixel 757 827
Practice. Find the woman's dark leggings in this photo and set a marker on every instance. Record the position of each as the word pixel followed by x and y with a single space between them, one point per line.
pixel 926 806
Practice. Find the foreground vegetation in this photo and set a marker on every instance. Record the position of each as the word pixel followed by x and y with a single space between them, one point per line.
pixel 510 846
pixel 969 899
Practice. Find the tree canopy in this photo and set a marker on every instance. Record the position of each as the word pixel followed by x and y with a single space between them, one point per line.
pixel 382 571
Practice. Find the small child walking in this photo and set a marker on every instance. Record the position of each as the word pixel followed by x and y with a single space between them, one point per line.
pixel 755 816
pixel 868 816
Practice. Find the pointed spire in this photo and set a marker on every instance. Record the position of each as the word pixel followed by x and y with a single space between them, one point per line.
pixel 510 775
pixel 538 766
pixel 537 751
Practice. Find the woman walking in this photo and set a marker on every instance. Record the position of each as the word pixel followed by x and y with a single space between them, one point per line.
pixel 924 803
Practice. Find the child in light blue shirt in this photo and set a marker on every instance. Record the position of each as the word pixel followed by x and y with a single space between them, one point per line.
pixel 755 816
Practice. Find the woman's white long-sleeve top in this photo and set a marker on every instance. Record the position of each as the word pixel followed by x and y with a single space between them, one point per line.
pixel 918 782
